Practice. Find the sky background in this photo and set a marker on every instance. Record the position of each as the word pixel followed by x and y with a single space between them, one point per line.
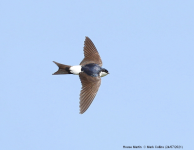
pixel 147 99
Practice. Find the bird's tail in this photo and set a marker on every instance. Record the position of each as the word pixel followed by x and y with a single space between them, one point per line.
pixel 63 69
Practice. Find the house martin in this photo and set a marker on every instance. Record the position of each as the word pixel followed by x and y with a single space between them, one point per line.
pixel 90 72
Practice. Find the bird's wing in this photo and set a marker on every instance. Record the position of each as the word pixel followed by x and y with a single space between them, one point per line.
pixel 90 86
pixel 90 53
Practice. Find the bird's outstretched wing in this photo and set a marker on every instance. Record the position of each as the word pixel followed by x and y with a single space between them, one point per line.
pixel 91 54
pixel 90 86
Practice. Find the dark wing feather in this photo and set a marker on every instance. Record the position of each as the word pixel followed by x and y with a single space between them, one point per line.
pixel 91 54
pixel 90 86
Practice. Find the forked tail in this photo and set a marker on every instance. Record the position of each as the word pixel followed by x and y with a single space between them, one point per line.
pixel 63 69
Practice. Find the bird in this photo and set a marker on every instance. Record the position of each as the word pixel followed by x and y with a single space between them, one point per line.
pixel 90 72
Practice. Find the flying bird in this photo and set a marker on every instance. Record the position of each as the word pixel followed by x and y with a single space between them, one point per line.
pixel 90 72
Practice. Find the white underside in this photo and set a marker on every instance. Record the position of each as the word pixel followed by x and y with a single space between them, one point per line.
pixel 102 74
pixel 75 69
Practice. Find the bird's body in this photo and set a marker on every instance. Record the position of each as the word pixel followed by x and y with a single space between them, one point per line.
pixel 90 72
pixel 75 69
pixel 92 69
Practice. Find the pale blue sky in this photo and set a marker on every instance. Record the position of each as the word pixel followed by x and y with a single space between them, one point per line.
pixel 148 48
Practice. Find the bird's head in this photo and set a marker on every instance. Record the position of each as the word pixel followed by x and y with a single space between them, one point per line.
pixel 104 72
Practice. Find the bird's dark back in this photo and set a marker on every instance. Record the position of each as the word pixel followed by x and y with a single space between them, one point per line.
pixel 91 69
